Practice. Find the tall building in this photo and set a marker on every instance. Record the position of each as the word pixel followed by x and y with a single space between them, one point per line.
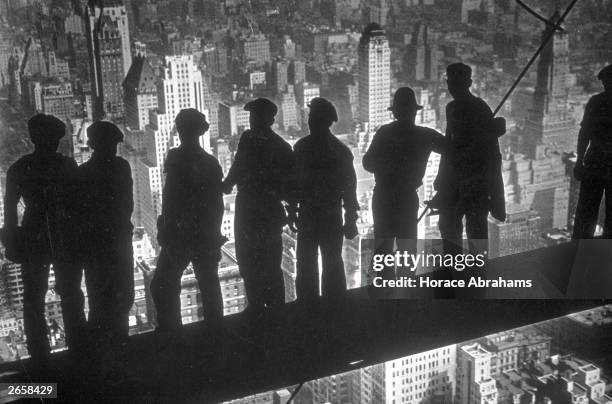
pixel 181 87
pixel 140 92
pixel 474 382
pixel 374 76
pixel 109 68
pixel 297 71
pixel 54 97
pixel 549 121
pixel 288 112
pixel 306 91
pixel 256 49
pixel 280 75
pixel 422 55
pixel 233 119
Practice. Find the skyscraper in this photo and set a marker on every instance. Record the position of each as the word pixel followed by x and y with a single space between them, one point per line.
pixel 538 175
pixel 182 86
pixel 422 55
pixel 140 89
pixel 108 32
pixel 549 122
pixel 374 76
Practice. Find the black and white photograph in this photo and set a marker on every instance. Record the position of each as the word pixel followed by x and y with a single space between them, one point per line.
pixel 306 201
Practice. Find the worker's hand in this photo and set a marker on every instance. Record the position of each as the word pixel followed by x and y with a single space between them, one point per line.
pixel 293 222
pixel 227 187
pixel 499 126
pixel 579 171
pixel 350 230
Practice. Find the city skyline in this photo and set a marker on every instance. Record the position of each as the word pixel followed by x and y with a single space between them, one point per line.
pixel 137 63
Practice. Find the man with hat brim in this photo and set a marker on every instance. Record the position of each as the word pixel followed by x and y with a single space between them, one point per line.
pixel 45 180
pixel 398 157
pixel 594 161
pixel 189 228
pixel 325 183
pixel 262 169
pixel 469 182
pixel 107 203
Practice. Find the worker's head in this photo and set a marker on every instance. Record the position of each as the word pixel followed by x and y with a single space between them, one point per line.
pixel 46 132
pixel 458 79
pixel 262 112
pixel 605 75
pixel 190 125
pixel 322 114
pixel 103 137
pixel 404 106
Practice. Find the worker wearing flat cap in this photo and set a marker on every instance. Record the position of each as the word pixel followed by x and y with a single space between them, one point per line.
pixel 106 206
pixel 45 181
pixel 262 169
pixel 594 161
pixel 398 157
pixel 325 184
pixel 469 182
pixel 189 228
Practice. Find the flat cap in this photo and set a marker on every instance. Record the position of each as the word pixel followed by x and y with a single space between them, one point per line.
pixel 261 106
pixel 459 71
pixel 191 119
pixel 104 131
pixel 325 109
pixel 605 72
pixel 46 125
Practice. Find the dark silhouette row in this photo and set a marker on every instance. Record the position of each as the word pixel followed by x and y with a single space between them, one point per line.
pixel 79 217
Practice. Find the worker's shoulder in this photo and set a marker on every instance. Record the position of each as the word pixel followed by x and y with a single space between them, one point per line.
pixel 427 132
pixel 279 141
pixel 599 99
pixel 122 163
pixel 341 148
pixel 21 164
pixel 303 144
pixel 389 129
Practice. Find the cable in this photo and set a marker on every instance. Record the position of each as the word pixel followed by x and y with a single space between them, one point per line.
pixel 556 26
pixel 536 15
pixel 297 390
pixel 547 38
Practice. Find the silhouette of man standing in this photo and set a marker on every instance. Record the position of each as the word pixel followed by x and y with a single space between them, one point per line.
pixel 326 182
pixel 45 180
pixel 469 180
pixel 189 226
pixel 106 184
pixel 398 157
pixel 262 170
pixel 594 161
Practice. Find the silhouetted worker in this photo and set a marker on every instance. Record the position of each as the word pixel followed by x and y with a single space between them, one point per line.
pixel 189 226
pixel 108 202
pixel 325 182
pixel 262 169
pixel 45 180
pixel 398 157
pixel 469 182
pixel 594 161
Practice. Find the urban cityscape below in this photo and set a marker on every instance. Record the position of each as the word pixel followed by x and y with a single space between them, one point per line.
pixel 156 58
